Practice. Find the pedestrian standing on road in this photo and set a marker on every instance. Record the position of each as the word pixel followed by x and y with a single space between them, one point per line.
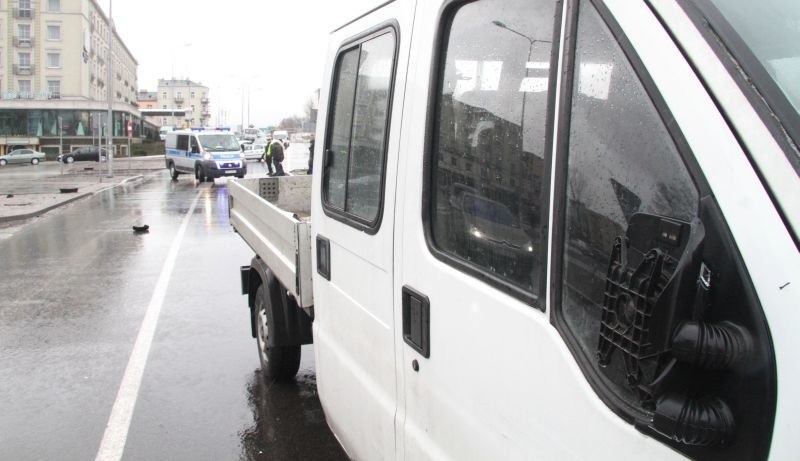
pixel 267 157
pixel 311 155
pixel 276 150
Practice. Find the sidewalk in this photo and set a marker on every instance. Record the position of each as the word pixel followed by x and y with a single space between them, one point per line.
pixel 26 193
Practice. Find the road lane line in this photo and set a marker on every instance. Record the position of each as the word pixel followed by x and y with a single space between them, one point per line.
pixel 119 422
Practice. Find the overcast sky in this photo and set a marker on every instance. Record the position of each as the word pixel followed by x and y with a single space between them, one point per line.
pixel 272 50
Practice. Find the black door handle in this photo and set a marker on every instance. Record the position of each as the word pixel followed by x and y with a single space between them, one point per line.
pixel 323 257
pixel 417 321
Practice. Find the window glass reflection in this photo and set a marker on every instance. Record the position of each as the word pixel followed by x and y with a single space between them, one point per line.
pixel 621 161
pixel 369 126
pixel 490 138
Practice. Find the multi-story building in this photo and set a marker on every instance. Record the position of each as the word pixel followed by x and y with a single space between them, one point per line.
pixel 181 102
pixel 54 58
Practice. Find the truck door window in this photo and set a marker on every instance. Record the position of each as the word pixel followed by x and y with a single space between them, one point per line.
pixel 356 146
pixel 646 299
pixel 491 111
pixel 339 140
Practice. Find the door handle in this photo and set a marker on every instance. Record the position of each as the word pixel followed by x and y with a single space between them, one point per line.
pixel 323 257
pixel 417 321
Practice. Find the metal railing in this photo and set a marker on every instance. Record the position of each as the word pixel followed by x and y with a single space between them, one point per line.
pixel 23 13
pixel 22 69
pixel 23 42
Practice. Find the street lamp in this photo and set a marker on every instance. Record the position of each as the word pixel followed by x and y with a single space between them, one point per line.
pixel 110 86
pixel 531 41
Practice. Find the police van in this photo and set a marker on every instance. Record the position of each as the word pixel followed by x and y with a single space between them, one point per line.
pixel 543 229
pixel 206 154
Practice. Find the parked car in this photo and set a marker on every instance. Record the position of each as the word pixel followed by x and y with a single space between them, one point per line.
pixel 254 151
pixel 487 233
pixel 84 154
pixel 283 135
pixel 22 156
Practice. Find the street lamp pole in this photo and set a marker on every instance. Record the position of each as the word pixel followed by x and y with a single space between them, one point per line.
pixel 61 143
pixel 110 86
pixel 531 41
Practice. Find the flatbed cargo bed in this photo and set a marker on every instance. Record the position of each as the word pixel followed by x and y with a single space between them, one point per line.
pixel 273 215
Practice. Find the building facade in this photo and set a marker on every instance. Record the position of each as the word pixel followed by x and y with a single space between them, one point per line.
pixel 54 58
pixel 180 103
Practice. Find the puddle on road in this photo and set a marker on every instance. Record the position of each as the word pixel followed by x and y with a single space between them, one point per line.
pixel 289 422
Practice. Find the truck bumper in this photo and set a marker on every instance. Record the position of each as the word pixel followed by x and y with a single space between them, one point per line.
pixel 219 169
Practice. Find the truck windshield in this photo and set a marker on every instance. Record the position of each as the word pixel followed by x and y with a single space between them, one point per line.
pixel 219 142
pixel 770 28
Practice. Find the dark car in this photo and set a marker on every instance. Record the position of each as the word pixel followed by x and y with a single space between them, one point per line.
pixel 84 154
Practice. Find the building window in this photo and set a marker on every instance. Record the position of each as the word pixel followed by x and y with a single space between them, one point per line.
pixel 54 88
pixel 25 91
pixel 24 60
pixel 179 106
pixel 191 95
pixel 53 60
pixel 54 6
pixel 164 95
pixel 24 31
pixel 53 32
pixel 164 106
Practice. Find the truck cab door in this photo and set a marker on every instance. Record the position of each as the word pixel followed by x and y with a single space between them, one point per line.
pixel 353 229
pixel 561 266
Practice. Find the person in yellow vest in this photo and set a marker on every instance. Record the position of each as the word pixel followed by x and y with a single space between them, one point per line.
pixel 267 157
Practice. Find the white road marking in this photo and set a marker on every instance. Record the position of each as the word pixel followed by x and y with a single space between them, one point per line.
pixel 116 434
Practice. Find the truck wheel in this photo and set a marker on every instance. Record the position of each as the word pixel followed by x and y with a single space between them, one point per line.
pixel 278 363
pixel 199 174
pixel 173 172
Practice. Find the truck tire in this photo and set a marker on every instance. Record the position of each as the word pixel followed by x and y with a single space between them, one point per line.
pixel 199 174
pixel 173 172
pixel 278 363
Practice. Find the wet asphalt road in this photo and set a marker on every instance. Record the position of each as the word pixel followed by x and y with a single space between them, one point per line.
pixel 75 289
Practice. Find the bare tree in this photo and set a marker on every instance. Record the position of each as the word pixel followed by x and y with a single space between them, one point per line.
pixel 308 108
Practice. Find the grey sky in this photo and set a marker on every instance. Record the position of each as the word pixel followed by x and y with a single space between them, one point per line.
pixel 273 50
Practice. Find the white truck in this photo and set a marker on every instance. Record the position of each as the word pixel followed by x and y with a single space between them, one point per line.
pixel 544 229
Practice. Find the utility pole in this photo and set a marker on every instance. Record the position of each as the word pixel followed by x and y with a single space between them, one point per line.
pixel 110 84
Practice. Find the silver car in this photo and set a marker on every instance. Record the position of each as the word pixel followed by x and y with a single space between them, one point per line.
pixel 22 156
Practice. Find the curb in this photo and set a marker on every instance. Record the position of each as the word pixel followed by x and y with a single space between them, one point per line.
pixel 41 211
